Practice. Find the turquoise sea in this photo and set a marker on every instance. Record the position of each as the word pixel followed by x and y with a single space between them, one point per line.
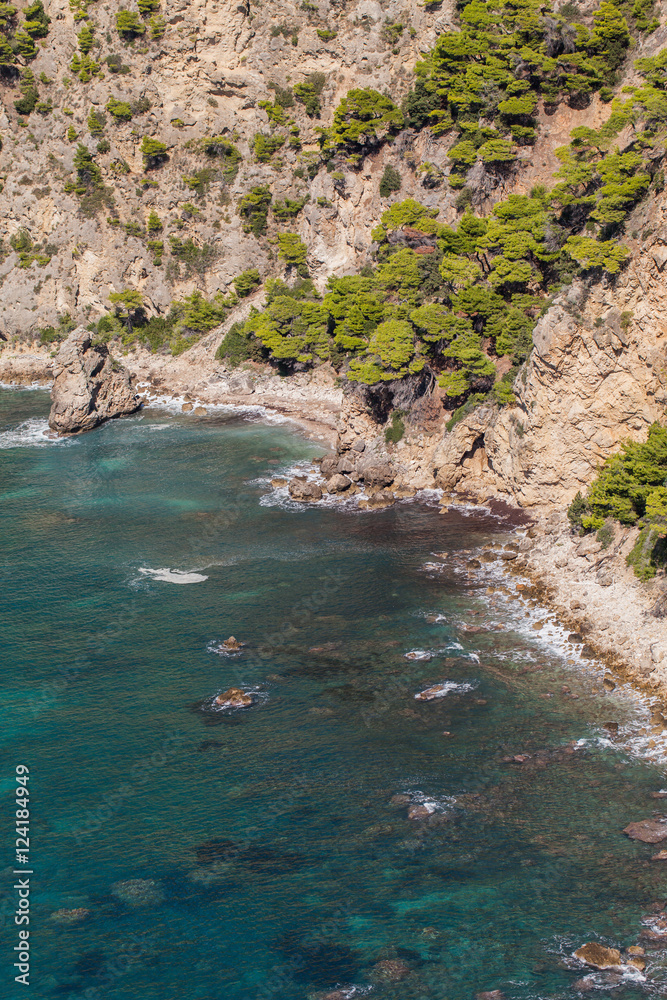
pixel 267 852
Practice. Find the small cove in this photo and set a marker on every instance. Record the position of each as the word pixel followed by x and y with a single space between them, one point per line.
pixel 273 844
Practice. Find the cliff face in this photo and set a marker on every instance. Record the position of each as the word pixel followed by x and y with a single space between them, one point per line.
pixel 596 374
pixel 205 76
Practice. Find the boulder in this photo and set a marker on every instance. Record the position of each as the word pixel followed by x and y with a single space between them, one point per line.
pixel 345 465
pixel 278 482
pixel 338 484
pixel 490 995
pixel 598 956
pixel 649 831
pixel 420 811
pixel 374 471
pixel 437 691
pixel 232 644
pixel 383 498
pixel 89 387
pixel 301 489
pixel 328 465
pixel 234 698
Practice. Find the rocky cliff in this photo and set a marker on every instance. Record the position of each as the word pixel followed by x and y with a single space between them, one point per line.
pixel 89 387
pixel 171 222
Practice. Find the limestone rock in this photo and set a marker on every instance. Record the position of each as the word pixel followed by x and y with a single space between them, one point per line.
pixel 232 644
pixel 89 387
pixel 338 484
pixel 234 698
pixel 301 489
pixel 649 831
pixel 598 955
pixel 374 471
pixel 420 811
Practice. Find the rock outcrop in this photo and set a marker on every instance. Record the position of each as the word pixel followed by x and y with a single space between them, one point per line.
pixel 89 387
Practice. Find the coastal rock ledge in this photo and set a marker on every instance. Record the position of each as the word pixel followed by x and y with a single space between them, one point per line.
pixel 88 387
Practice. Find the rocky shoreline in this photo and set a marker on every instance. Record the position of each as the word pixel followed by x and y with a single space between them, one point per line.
pixel 621 620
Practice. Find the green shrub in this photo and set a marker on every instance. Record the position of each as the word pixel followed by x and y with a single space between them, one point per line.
pixel 605 534
pixel 224 151
pixel 129 24
pixel 246 282
pixel 396 430
pixel 254 209
pixel 289 208
pixel 153 151
pixel 308 93
pixel 390 182
pixel 264 146
pixel 120 110
pixel 363 118
pixel 293 251
pixel 237 347
pixel 197 260
pixel 96 122
pixel 154 224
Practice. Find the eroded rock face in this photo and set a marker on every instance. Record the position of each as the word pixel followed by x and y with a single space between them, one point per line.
pixel 302 489
pixel 88 386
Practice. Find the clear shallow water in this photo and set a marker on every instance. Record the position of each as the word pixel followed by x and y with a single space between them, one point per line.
pixel 282 868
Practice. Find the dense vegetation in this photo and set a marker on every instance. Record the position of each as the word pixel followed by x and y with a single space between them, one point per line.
pixel 630 488
pixel 443 302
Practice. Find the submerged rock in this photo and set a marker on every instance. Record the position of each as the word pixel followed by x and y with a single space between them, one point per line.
pixel 138 892
pixel 89 387
pixel 598 955
pixel 67 918
pixel 234 698
pixel 390 970
pixel 649 831
pixel 490 995
pixel 301 489
pixel 421 811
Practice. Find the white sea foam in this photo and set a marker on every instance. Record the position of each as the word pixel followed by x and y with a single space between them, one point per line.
pixel 279 496
pixel 435 804
pixel 32 433
pixel 419 654
pixel 254 413
pixel 30 387
pixel 166 575
pixel 447 687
